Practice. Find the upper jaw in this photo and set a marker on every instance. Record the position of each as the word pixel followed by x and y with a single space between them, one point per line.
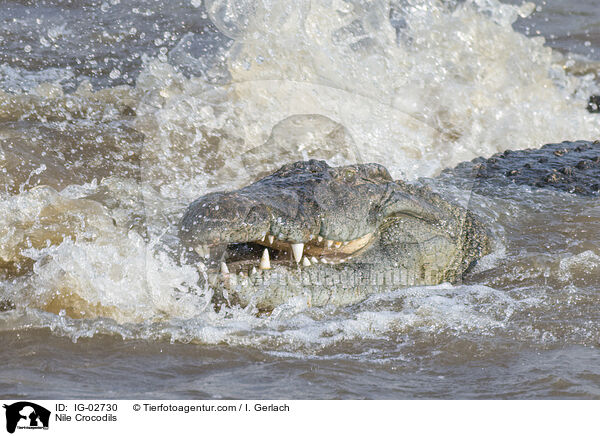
pixel 225 226
pixel 297 226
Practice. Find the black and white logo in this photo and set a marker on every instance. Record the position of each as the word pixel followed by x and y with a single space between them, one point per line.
pixel 26 415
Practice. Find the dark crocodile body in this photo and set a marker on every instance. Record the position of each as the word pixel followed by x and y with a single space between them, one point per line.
pixel 572 167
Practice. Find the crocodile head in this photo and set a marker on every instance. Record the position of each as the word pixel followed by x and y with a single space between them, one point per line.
pixel 309 224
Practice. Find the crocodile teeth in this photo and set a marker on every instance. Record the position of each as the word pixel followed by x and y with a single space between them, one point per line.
pixel 224 269
pixel 265 262
pixel 313 259
pixel 253 271
pixel 263 238
pixel 298 249
pixel 320 238
pixel 305 261
pixel 338 244
pixel 271 239
pixel 329 243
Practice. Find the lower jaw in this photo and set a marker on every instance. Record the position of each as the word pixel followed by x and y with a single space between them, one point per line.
pixel 285 282
pixel 289 284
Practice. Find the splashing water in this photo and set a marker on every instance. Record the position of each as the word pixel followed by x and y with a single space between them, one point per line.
pixel 88 245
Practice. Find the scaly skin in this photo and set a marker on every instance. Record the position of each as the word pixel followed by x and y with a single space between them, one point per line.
pixel 567 166
pixel 383 235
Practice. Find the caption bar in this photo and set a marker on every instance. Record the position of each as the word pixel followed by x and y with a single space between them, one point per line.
pixel 277 417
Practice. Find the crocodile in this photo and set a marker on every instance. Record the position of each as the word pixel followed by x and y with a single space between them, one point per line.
pixel 569 166
pixel 322 235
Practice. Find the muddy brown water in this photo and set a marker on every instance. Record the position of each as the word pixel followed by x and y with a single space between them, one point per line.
pixel 101 150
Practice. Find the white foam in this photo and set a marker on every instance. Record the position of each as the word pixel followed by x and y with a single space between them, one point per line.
pixel 455 84
pixel 88 265
pixel 586 264
pixel 452 309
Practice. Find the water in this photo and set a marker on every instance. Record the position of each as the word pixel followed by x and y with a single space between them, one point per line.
pixel 115 115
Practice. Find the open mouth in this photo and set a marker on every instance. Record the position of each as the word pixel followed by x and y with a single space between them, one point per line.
pixel 269 251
